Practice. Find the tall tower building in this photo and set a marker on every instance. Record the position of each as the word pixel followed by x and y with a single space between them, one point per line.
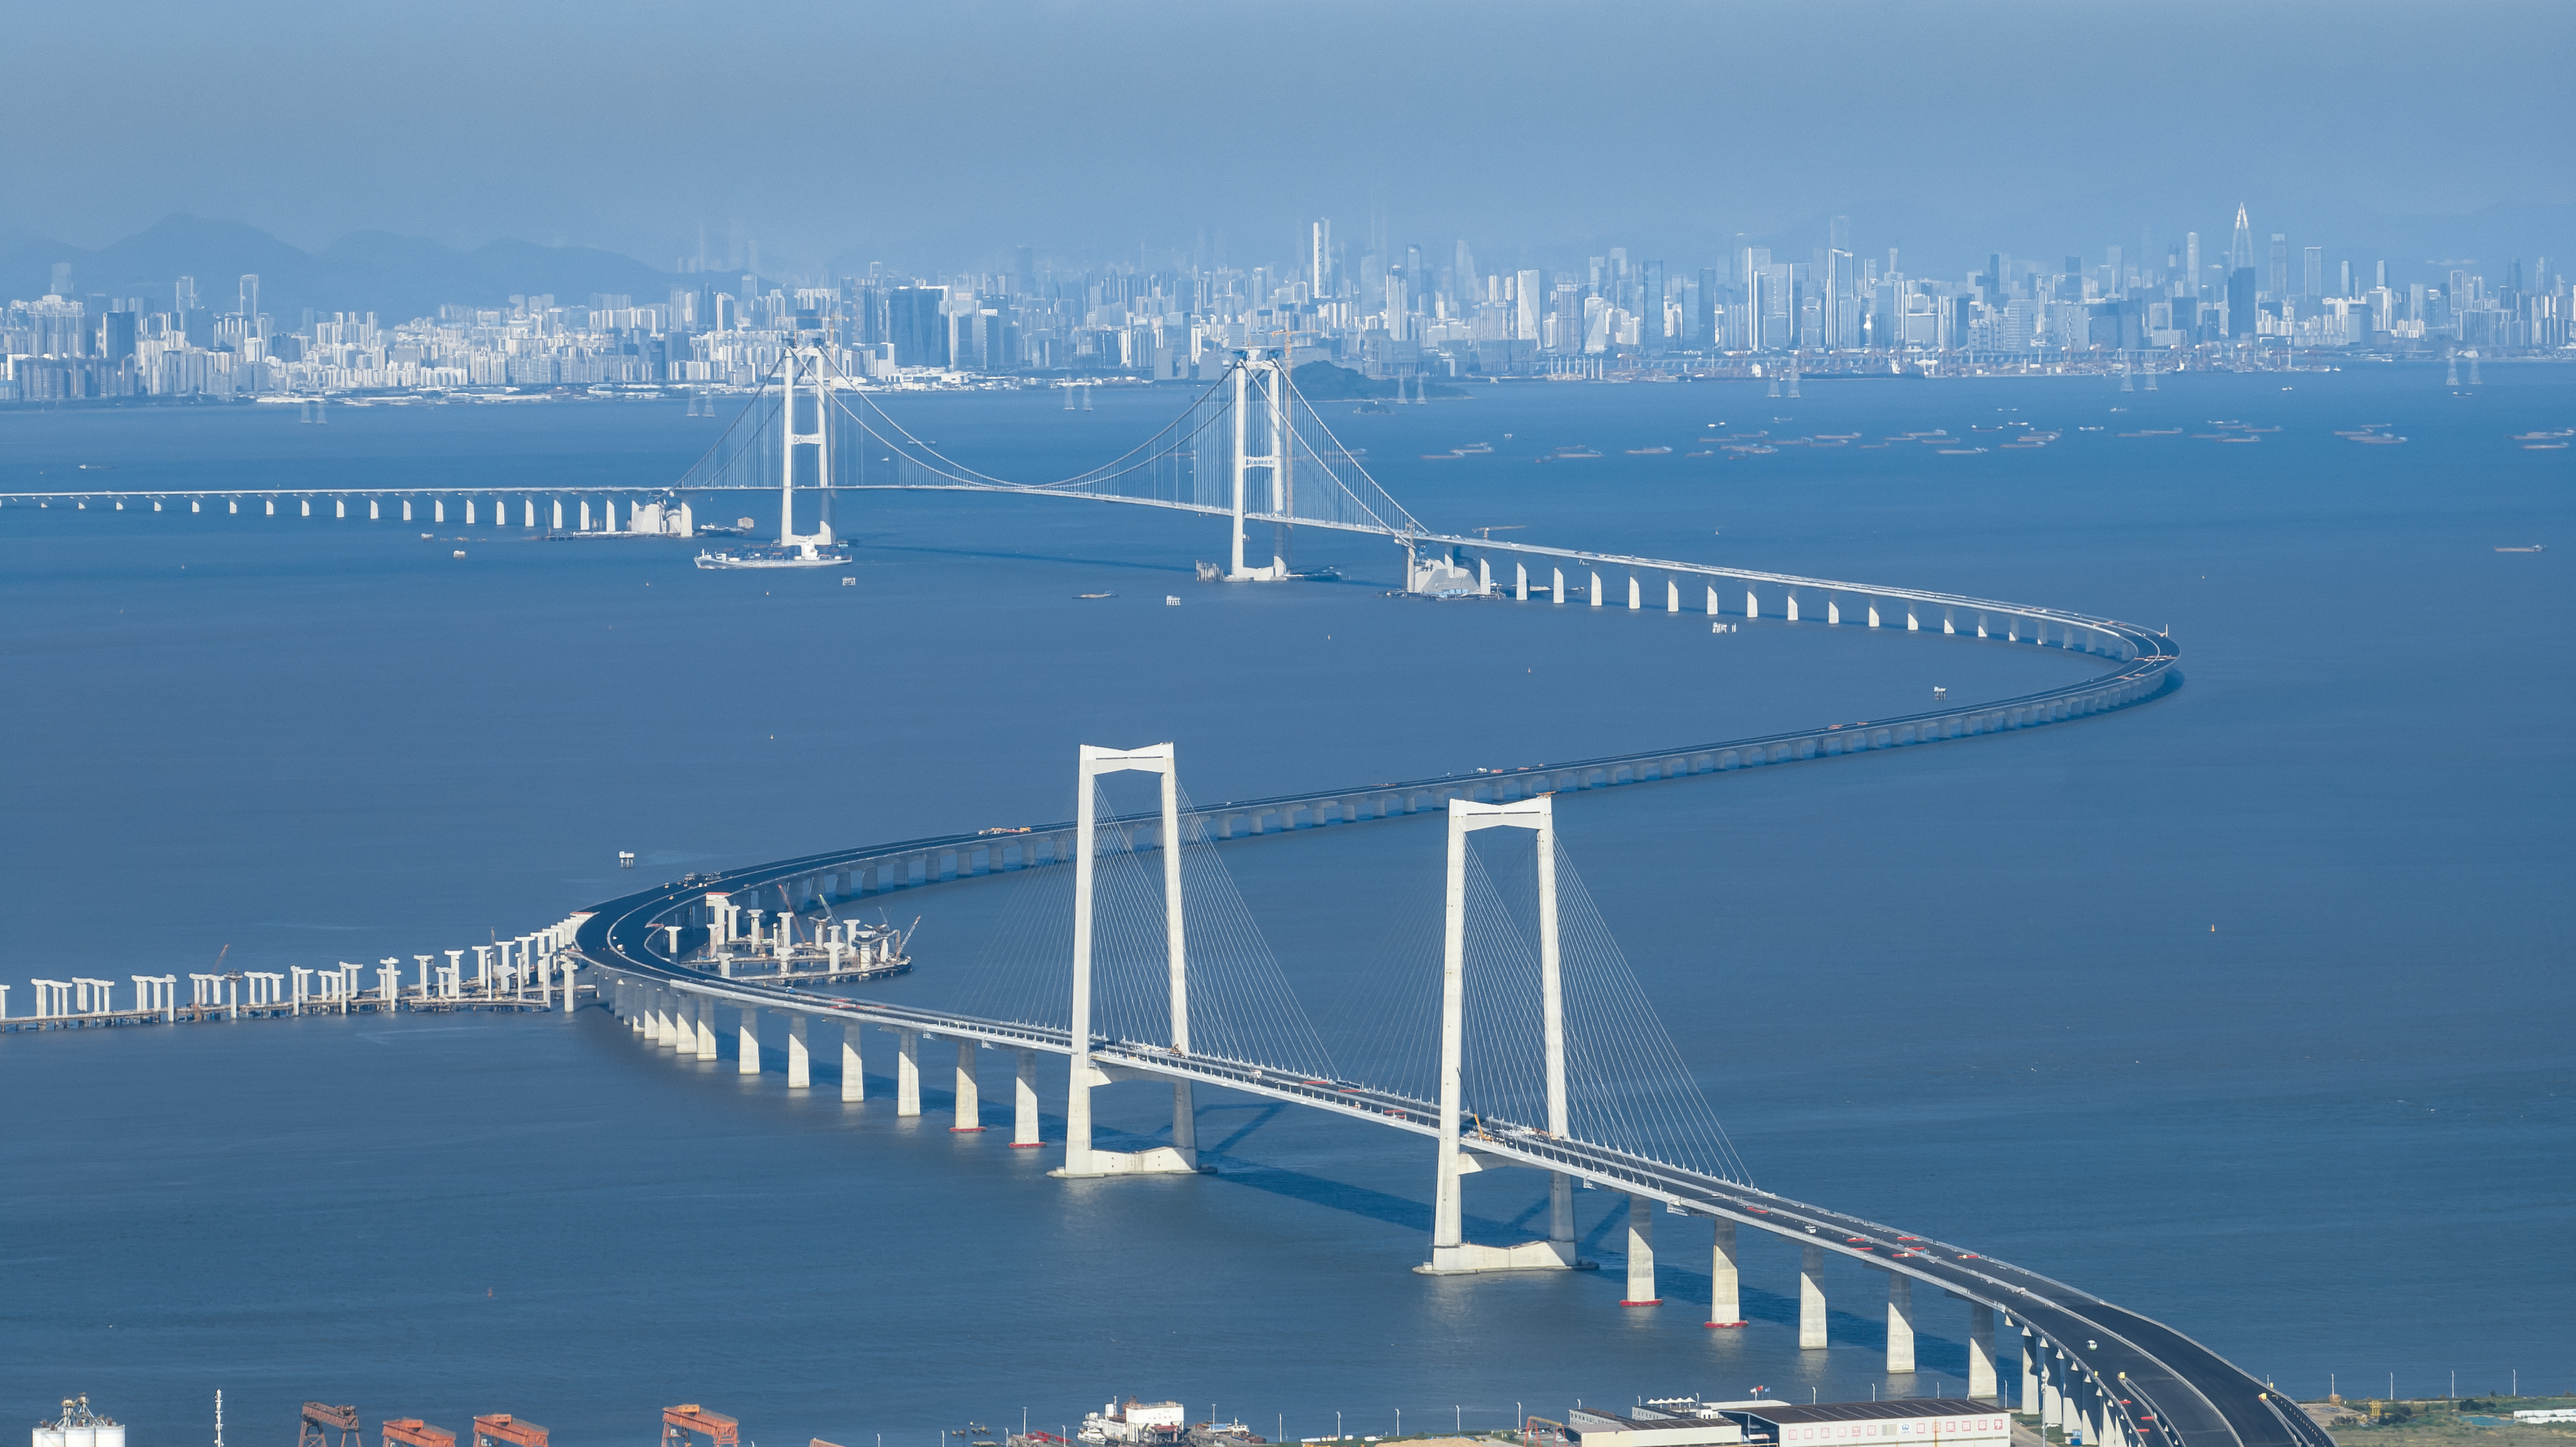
pixel 2312 270
pixel 2191 262
pixel 2280 277
pixel 1320 268
pixel 2240 248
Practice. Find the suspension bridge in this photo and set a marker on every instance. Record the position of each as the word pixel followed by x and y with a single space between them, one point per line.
pixel 1547 1054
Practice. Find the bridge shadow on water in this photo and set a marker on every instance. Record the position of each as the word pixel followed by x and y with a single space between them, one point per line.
pixel 1678 1238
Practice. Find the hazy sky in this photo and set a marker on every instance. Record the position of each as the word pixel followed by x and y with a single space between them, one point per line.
pixel 933 135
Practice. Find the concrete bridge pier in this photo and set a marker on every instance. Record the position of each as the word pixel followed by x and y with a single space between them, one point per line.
pixel 2029 1405
pixel 1024 1102
pixel 907 1072
pixel 706 1027
pixel 1981 1352
pixel 2052 1402
pixel 854 1085
pixel 970 1101
pixel 800 1060
pixel 1811 1298
pixel 1520 582
pixel 1641 1253
pixel 746 1047
pixel 1725 1296
pixel 1595 595
pixel 1556 587
pixel 1900 1323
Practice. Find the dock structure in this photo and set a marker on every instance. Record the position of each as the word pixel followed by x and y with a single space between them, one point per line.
pixel 530 973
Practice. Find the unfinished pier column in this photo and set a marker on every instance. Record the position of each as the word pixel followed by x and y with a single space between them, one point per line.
pixel 746 1047
pixel 1981 1352
pixel 907 1072
pixel 1725 1299
pixel 1641 1254
pixel 970 1102
pixel 1811 1298
pixel 854 1085
pixel 1024 1102
pixel 1900 1323
pixel 800 1060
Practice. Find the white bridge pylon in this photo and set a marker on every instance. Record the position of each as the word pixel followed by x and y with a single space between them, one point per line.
pixel 1181 1157
pixel 1450 1251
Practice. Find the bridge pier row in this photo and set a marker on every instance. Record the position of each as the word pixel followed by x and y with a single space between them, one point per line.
pixel 800 1059
pixel 854 1085
pixel 1981 1352
pixel 746 1042
pixel 970 1101
pixel 907 1072
pixel 1024 1101
pixel 1725 1282
pixel 706 1027
pixel 1900 1323
pixel 2052 1402
pixel 1641 1253
pixel 1811 1298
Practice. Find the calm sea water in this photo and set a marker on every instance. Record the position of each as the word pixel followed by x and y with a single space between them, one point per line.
pixel 2247 1009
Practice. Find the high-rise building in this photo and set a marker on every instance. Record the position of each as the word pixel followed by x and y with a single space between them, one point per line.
pixel 2240 303
pixel 1529 294
pixel 1707 318
pixel 1650 309
pixel 2240 247
pixel 2191 263
pixel 62 282
pixel 2312 271
pixel 1319 262
pixel 2280 277
pixel 916 325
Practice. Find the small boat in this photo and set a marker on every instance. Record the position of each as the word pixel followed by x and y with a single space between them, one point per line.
pixel 1961 451
pixel 1648 451
pixel 777 555
pixel 2544 446
pixel 1095 595
pixel 2534 548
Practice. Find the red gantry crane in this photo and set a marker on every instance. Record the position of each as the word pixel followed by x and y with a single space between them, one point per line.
pixel 319 1416
pixel 500 1429
pixel 680 1421
pixel 413 1432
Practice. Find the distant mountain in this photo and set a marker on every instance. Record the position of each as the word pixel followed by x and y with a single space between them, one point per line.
pixel 396 277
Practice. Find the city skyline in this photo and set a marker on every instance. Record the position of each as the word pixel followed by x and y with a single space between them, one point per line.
pixel 1393 310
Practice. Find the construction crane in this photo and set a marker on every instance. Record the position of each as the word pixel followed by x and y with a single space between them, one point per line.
pixel 321 1418
pixel 500 1428
pixel 680 1421
pixel 413 1432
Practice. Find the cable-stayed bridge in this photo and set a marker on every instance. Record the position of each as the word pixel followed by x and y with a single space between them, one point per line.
pixel 1538 1051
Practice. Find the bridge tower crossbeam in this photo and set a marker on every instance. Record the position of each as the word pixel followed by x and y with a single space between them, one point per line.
pixel 1450 1251
pixel 1081 1159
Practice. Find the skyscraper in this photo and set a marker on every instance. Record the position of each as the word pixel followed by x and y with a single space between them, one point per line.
pixel 1320 266
pixel 2280 265
pixel 1650 309
pixel 2240 247
pixel 1529 294
pixel 2313 269
pixel 2191 262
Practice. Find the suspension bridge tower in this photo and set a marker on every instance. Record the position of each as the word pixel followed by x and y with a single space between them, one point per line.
pixel 805 420
pixel 1261 422
pixel 1181 1157
pixel 1451 1252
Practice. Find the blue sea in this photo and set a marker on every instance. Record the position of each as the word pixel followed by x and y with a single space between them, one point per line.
pixel 2248 1008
